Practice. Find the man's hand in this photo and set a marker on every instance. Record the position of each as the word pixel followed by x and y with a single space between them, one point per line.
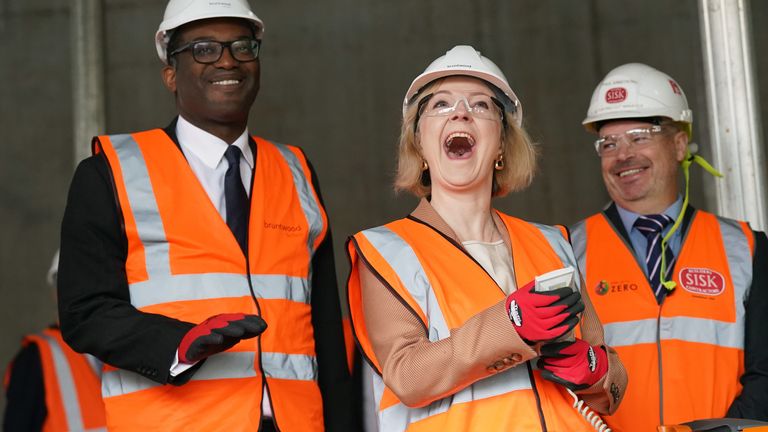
pixel 218 333
pixel 576 365
pixel 543 316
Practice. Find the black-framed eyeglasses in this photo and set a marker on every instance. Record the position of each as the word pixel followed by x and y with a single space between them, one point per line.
pixel 209 51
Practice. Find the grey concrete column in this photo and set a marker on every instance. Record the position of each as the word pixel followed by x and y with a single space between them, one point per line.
pixel 87 74
pixel 733 107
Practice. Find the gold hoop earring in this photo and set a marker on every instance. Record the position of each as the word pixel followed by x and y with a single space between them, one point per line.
pixel 499 164
pixel 424 165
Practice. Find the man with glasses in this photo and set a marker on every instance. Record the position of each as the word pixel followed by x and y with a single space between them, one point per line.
pixel 180 246
pixel 680 291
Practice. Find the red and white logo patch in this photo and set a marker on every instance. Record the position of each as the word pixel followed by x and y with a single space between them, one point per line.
pixel 702 281
pixel 616 95
pixel 675 87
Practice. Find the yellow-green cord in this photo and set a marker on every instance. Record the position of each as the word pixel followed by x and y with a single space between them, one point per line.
pixel 686 164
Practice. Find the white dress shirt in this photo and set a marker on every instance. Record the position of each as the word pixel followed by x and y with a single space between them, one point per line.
pixel 205 155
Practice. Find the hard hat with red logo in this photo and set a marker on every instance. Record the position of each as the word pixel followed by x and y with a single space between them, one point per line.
pixel 465 60
pixel 180 12
pixel 636 90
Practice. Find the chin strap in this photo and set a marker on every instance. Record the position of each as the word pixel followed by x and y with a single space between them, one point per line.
pixel 690 158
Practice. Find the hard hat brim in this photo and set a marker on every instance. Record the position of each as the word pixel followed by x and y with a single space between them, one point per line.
pixel 427 77
pixel 591 121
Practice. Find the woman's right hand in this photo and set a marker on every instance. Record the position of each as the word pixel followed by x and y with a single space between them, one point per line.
pixel 543 316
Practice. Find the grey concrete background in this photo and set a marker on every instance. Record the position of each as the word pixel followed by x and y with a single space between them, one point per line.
pixel 333 77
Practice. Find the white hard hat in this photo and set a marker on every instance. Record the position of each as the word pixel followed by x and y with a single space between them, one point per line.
pixel 180 12
pixel 465 60
pixel 53 272
pixel 635 90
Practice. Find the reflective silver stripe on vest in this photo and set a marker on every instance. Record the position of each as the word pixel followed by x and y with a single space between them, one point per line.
pixel 739 256
pixel 281 287
pixel 166 289
pixel 289 366
pixel 404 261
pixel 397 417
pixel 224 365
pixel 560 245
pixel 712 332
pixel 143 205
pixel 66 383
pixel 309 205
pixel 406 265
pixel 579 242
pixel 96 365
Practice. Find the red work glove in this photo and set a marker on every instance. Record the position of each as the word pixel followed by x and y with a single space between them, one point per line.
pixel 576 365
pixel 543 316
pixel 218 333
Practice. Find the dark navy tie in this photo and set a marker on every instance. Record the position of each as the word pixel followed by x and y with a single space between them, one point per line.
pixel 236 198
pixel 651 226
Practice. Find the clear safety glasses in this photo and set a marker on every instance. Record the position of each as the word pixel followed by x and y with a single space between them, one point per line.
pixel 479 106
pixel 209 51
pixel 608 145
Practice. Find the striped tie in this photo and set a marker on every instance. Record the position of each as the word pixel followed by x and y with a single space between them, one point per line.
pixel 651 227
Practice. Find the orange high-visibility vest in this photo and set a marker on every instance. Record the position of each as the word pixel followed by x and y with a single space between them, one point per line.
pixel 184 262
pixel 444 288
pixel 72 383
pixel 685 357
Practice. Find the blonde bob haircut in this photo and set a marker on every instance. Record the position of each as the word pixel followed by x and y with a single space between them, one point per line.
pixel 519 153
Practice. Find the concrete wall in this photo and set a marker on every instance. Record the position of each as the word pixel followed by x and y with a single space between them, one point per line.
pixel 333 77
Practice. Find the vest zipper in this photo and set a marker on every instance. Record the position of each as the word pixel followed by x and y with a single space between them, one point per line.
pixel 542 421
pixel 264 385
pixel 658 353
pixel 261 367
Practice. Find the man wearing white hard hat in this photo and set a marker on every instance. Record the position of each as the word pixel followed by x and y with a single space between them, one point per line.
pixel 681 292
pixel 445 302
pixel 49 387
pixel 196 260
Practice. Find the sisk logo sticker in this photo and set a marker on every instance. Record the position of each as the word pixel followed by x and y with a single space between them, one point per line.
pixel 675 87
pixel 616 95
pixel 702 281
